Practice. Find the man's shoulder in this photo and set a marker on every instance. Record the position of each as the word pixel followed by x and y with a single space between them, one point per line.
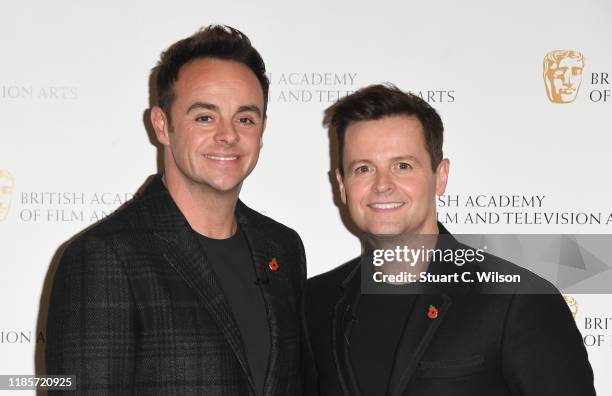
pixel 264 223
pixel 334 277
pixel 133 216
pixel 324 290
pixel 527 281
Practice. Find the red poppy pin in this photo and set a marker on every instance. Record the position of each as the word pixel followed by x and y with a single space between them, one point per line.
pixel 433 312
pixel 273 264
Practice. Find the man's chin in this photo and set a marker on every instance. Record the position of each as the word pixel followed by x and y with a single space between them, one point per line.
pixel 227 188
pixel 395 231
pixel 220 186
pixel 386 236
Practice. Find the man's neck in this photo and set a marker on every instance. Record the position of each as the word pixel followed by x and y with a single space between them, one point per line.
pixel 208 212
pixel 425 235
pixel 408 250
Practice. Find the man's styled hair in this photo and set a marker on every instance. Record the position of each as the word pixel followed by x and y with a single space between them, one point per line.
pixel 378 101
pixel 214 41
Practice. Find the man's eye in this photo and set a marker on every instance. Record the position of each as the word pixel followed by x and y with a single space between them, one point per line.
pixel 204 118
pixel 246 121
pixel 404 166
pixel 362 169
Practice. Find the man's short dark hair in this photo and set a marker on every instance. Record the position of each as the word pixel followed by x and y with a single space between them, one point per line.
pixel 214 41
pixel 378 101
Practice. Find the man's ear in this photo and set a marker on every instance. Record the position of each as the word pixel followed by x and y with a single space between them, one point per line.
pixel 442 176
pixel 263 128
pixel 161 125
pixel 341 186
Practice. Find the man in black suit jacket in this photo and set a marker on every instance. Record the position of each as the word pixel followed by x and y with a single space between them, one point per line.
pixel 446 337
pixel 185 290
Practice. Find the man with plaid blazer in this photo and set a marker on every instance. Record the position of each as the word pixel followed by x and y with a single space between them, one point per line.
pixel 138 303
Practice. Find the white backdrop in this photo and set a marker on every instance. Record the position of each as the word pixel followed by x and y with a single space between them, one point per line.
pixel 74 88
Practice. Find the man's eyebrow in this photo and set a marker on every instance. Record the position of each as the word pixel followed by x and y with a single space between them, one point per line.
pixel 209 106
pixel 398 158
pixel 251 108
pixel 352 163
pixel 406 157
pixel 203 105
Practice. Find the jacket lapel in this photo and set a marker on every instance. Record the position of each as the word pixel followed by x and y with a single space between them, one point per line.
pixel 344 317
pixel 420 328
pixel 417 335
pixel 419 332
pixel 182 251
pixel 263 249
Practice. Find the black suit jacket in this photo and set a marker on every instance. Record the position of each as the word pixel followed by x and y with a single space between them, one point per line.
pixel 480 344
pixel 135 307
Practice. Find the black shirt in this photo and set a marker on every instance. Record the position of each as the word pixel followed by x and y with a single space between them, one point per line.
pixel 233 265
pixel 379 324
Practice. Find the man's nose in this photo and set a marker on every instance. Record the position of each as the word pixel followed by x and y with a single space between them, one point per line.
pixel 383 183
pixel 226 133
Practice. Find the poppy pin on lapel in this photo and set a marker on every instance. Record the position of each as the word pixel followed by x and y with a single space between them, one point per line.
pixel 433 312
pixel 273 264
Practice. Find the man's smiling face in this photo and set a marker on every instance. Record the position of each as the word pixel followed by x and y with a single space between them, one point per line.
pixel 388 184
pixel 213 136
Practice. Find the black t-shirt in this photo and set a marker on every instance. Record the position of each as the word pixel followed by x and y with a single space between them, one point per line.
pixel 233 265
pixel 379 324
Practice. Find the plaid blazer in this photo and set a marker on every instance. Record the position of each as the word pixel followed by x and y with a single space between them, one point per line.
pixel 136 309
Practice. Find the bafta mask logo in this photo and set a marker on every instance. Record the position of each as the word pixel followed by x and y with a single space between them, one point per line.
pixel 572 304
pixel 563 75
pixel 6 187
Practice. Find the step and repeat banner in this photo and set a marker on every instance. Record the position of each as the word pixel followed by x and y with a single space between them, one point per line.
pixel 524 90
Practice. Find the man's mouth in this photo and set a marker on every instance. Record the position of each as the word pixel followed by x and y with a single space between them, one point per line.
pixel 386 205
pixel 216 157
